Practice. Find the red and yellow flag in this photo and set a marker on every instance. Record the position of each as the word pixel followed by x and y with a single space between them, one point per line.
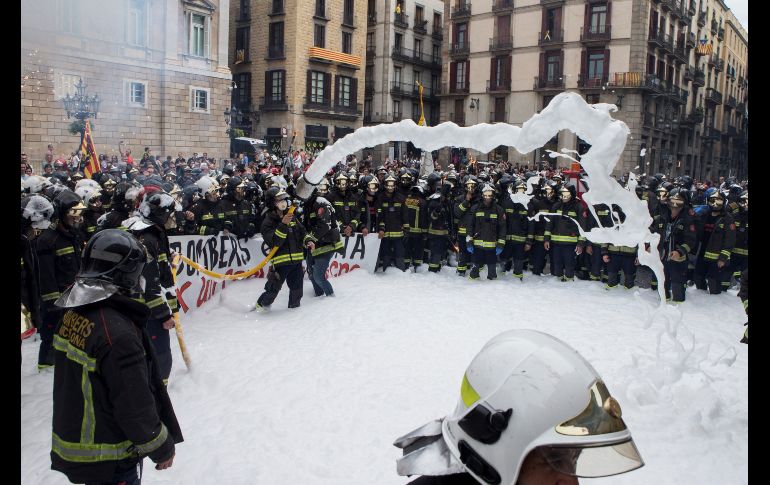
pixel 89 154
pixel 421 121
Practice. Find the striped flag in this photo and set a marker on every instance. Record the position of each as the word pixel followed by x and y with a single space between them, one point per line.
pixel 89 153
pixel 421 121
pixel 704 48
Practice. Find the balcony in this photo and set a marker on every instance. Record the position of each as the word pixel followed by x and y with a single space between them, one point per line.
pixel 731 103
pixel 595 33
pixel 499 86
pixel 626 80
pixel 691 40
pixel 654 85
pixel 502 5
pixel 420 27
pixel 732 131
pixel 371 19
pixel 714 27
pixel 659 39
pixel 688 74
pixel 401 20
pixel 692 9
pixel 699 79
pixel 449 89
pixel 547 3
pixel 422 58
pixel 556 83
pixel 719 65
pixel 685 17
pixel 648 120
pixel 721 33
pixel 276 52
pixel 371 52
pixel 461 11
pixel 585 82
pixel 701 19
pixel 270 104
pixel 680 53
pixel 335 111
pixel 504 43
pixel 711 133
pixel 437 33
pixel 696 116
pixel 410 90
pixel 550 38
pixel 713 96
pixel 460 50
pixel 741 107
pixel 458 119
pixel 498 117
pixel 677 94
pixel 369 87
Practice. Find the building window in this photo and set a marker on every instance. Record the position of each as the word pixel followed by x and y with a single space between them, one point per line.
pixel 347 13
pixel 134 93
pixel 320 9
pixel 396 110
pixel 370 42
pixel 243 90
pixel 367 109
pixel 596 67
pixel 319 40
pixel 461 34
pixel 137 23
pixel 553 70
pixel 347 42
pixel 417 47
pixel 275 40
pixel 68 15
pixel 242 35
pixel 461 75
pixel 317 87
pixel 598 19
pixel 344 84
pixel 436 53
pixel 277 7
pixel 276 88
pixel 397 75
pixel 417 76
pixel 199 99
pixel 419 13
pixel 198 34
pixel 244 11
pixel 434 82
pixel 437 22
pixel 65 84
pixel 415 112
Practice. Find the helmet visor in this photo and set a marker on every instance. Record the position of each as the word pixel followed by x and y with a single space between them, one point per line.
pixel 594 461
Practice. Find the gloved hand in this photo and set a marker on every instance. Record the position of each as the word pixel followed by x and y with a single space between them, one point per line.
pixel 468 240
pixel 498 251
pixel 469 248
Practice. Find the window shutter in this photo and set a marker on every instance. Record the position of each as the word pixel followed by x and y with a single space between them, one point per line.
pixel 557 23
pixel 609 14
pixel 467 75
pixel 544 23
pixel 337 89
pixel 354 93
pixel 542 66
pixel 584 65
pixel 207 38
pixel 606 73
pixel 507 77
pixel 269 86
pixel 309 86
pixel 327 88
pixel 492 71
pixel 452 76
pixel 561 68
pixel 283 85
pixel 586 18
pixel 247 86
pixel 188 18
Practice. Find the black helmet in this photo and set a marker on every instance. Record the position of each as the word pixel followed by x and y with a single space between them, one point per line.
pixel 567 188
pixel 504 182
pixel 158 207
pixel 652 182
pixel 433 179
pixel 228 170
pixel 273 195
pixel 678 194
pixel 483 176
pixel 233 183
pixel 190 195
pixel 115 256
pixel 66 200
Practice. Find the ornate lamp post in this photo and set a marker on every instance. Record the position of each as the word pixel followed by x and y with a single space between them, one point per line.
pixel 81 106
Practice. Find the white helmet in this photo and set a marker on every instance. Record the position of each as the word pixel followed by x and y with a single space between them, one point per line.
pixel 36 211
pixel 207 184
pixel 527 390
pixel 36 184
pixel 88 192
pixel 89 183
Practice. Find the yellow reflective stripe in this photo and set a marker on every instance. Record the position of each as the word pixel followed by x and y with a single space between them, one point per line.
pixel 485 244
pixel 73 353
pixel 231 213
pixel 479 214
pixel 327 248
pixel 603 213
pixel 155 443
pixel 91 453
pixel 203 230
pixel 710 255
pixel 90 229
pixel 746 304
pixel 206 217
pixel 571 213
pixel 557 238
pixel 51 296
pixel 493 216
pixel 468 393
pixel 438 232
pixel 88 427
pixel 288 257
pixel 155 302
pixel 513 237
pixel 741 251
pixel 397 204
pixel 220 216
pixel 395 234
pixel 280 234
pixel 725 252
pixel 162 257
pixel 63 251
pixel 462 230
pixel 501 241
pixel 622 249
pixel 539 238
pixel 139 299
pixel 547 233
pixel 686 248
pixel 509 211
pixel 172 303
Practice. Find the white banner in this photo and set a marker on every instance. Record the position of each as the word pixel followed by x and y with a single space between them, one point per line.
pixel 229 255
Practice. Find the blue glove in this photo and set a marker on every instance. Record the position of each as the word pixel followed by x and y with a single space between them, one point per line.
pixel 498 251
pixel 469 249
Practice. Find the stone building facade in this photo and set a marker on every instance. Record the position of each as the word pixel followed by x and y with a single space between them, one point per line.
pixel 298 70
pixel 158 66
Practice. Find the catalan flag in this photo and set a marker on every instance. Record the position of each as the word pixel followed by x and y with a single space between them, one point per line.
pixel 704 48
pixel 421 121
pixel 89 153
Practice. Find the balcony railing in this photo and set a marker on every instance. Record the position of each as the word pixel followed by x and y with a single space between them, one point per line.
pixel 721 33
pixel 276 51
pixel 501 43
pixel 453 88
pixel 437 33
pixel 332 109
pixel 411 90
pixel 714 27
pixel 700 78
pixel 420 26
pixel 401 20
pixel 595 33
pixel 556 82
pixel 711 133
pixel 495 117
pixel 460 49
pixel 502 5
pixel 719 65
pixel 731 102
pixel 369 87
pixel 410 55
pixel 548 37
pixel 626 79
pixel 586 82
pixel 498 85
pixel 689 73
pixel 701 19
pixel 680 52
pixel 732 131
pixel 696 116
pixel 270 104
pixel 713 96
pixel 371 18
pixel 461 11
pixel 648 119
pixel 691 40
pixel 458 119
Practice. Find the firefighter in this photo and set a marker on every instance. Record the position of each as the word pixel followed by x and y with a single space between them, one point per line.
pixel 405 182
pixel 716 244
pixel 486 233
pixel 679 239
pixel 123 202
pixel 416 226
pixel 462 214
pixel 439 221
pixel 323 241
pixel 93 202
pixel 517 227
pixel 562 235
pixel 620 257
pixel 391 222
pixel 239 212
pixel 209 216
pixel 36 213
pixel 108 189
pixel 739 257
pixel 367 205
pixel 596 251
pixel 345 203
pixel 542 203
pixel 58 250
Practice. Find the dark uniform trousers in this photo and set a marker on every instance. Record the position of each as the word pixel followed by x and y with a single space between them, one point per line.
pixel 438 247
pixel 290 273
pixel 624 261
pixel 676 279
pixel 537 257
pixel 513 254
pixel 131 476
pixel 162 342
pixel 596 263
pixel 415 244
pixel 709 275
pixel 463 257
pixel 480 258
pixel 564 259
pixel 392 252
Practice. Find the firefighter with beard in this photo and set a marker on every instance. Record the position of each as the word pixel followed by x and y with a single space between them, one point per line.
pixel 541 203
pixel 345 203
pixel 622 257
pixel 58 250
pixel 36 213
pixel 679 239
pixel 239 212
pixel 391 222
pixel 322 240
pixel 154 216
pixel 486 233
pixel 280 229
pixel 108 189
pixel 596 251
pixel 716 244
pixel 367 205
pixel 209 218
pixel 439 220
pixel 517 227
pixel 405 182
pixel 416 226
pixel 462 213
pixel 123 203
pixel 739 257
pixel 562 235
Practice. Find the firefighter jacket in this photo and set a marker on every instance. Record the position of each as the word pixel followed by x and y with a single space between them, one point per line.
pixel 112 220
pixel 718 237
pixel 680 235
pixel 323 228
pixel 30 280
pixel 367 212
pixel 741 234
pixel 605 220
pixel 516 221
pixel 288 238
pixel 486 226
pixel 345 207
pixel 239 216
pixel 159 281
pixel 110 406
pixel 563 227
pixel 106 199
pixel 209 217
pixel 90 222
pixel 58 252
pixel 462 214
pixel 391 214
pixel 416 214
pixel 439 215
pixel 536 230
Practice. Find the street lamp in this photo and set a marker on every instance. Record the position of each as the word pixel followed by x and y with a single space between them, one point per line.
pixel 80 105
